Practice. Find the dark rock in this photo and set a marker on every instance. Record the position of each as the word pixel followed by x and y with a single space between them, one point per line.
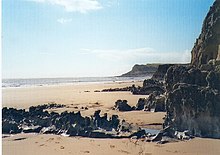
pixel 182 74
pixel 149 86
pixel 117 89
pixel 157 137
pixel 97 91
pixel 152 103
pixel 161 71
pixel 98 134
pixel 194 108
pixel 114 121
pixel 138 134
pixel 213 79
pixel 141 104
pixel 38 120
pixel 122 105
pixel 160 104
pixel 10 127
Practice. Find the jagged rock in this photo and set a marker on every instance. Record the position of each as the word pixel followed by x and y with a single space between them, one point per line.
pixel 149 86
pixel 141 104
pixel 213 78
pixel 38 120
pixel 193 97
pixel 182 74
pixel 161 71
pixel 122 105
pixel 207 45
pixel 10 127
pixel 194 108
pixel 160 104
pixel 152 103
pixel 114 121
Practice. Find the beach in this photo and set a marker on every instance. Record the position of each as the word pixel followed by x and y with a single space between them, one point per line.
pixel 78 96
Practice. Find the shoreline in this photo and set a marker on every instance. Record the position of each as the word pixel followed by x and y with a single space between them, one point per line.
pixel 40 82
pixel 75 96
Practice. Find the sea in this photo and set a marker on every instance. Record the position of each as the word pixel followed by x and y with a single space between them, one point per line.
pixel 38 82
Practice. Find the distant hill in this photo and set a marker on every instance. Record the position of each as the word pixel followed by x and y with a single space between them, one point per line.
pixel 141 70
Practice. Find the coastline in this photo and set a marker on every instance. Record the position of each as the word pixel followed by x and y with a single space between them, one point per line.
pixel 84 96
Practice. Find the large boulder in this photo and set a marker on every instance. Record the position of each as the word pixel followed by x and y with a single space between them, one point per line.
pixel 153 103
pixel 122 105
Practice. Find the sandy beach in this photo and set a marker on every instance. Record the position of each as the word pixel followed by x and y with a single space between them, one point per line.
pixel 84 96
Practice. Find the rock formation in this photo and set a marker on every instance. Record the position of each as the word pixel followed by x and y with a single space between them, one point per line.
pixel 39 120
pixel 193 92
pixel 153 103
pixel 122 105
pixel 193 101
pixel 161 71
pixel 149 86
pixel 207 45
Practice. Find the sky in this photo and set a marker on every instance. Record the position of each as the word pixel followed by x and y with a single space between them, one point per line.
pixel 90 38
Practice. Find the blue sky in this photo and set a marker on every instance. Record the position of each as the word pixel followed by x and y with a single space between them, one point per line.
pixel 81 38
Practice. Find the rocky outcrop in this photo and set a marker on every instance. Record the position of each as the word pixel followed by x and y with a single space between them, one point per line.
pixel 206 47
pixel 149 86
pixel 141 70
pixel 38 120
pixel 122 105
pixel 193 92
pixel 117 89
pixel 161 71
pixel 153 103
pixel 193 101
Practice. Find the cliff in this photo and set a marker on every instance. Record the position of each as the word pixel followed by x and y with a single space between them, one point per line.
pixel 193 91
pixel 207 45
pixel 141 70
pixel 162 70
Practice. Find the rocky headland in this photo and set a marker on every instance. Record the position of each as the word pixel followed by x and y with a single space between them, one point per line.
pixel 141 70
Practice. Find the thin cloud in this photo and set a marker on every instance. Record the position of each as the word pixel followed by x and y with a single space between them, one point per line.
pixel 64 20
pixel 139 55
pixel 117 53
pixel 81 6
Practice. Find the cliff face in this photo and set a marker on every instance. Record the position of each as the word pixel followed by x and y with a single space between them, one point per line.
pixel 193 92
pixel 141 70
pixel 161 71
pixel 207 45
